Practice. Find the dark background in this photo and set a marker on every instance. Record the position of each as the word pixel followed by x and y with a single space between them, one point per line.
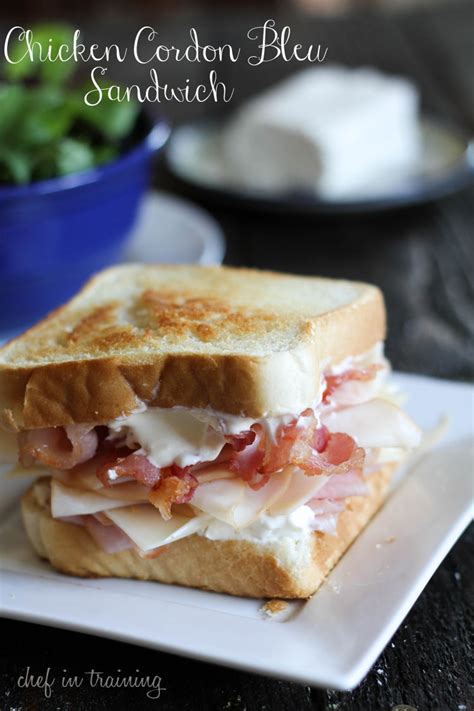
pixel 423 261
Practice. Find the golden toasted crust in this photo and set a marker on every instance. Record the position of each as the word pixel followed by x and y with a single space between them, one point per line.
pixel 238 341
pixel 289 569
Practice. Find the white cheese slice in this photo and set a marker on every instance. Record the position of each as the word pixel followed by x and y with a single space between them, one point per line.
pixel 19 470
pixel 233 502
pixel 255 503
pixel 220 498
pixel 66 501
pixel 377 423
pixel 130 491
pixel 148 529
pixel 212 474
pixel 301 489
pixel 86 474
pixel 83 476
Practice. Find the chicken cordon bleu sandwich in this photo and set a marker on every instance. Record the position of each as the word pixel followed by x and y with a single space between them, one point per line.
pixel 226 429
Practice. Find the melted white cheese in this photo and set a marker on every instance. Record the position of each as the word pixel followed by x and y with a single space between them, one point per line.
pixel 167 435
pixel 267 529
pixel 185 436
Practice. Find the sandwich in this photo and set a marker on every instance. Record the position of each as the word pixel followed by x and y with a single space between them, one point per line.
pixel 226 429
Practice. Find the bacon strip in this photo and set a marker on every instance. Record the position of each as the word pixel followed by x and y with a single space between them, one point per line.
pixel 240 441
pixel 327 453
pixel 277 454
pixel 58 447
pixel 334 381
pixel 247 463
pixel 172 490
pixel 313 449
pixel 134 465
pixel 316 464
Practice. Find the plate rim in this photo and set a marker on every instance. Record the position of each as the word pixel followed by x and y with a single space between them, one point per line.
pixel 211 234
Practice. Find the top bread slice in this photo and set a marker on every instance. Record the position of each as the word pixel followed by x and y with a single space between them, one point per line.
pixel 240 341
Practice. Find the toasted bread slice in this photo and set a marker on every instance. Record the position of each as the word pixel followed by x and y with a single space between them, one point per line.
pixel 237 340
pixel 288 568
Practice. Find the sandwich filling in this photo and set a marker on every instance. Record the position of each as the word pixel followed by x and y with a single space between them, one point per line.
pixel 161 474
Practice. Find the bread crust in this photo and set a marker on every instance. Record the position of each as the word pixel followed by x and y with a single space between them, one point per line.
pixel 113 381
pixel 287 569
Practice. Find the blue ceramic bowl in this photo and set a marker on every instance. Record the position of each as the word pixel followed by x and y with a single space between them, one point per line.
pixel 55 233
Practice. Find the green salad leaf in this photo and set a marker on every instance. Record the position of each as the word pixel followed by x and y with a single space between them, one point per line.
pixel 69 155
pixel 114 120
pixel 49 117
pixel 50 72
pixel 46 128
pixel 12 108
pixel 15 166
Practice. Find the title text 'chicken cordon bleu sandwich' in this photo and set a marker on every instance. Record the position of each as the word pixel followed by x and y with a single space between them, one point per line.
pixel 213 427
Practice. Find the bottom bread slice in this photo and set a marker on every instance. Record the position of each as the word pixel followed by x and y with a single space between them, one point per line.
pixel 288 568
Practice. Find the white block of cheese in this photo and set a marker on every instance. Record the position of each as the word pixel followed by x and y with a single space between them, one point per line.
pixel 332 130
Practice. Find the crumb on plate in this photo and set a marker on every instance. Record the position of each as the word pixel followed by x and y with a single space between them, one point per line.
pixel 274 607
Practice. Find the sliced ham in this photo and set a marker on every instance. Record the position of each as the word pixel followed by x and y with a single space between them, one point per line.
pixel 324 506
pixel 341 486
pixel 58 447
pixel 75 520
pixel 110 538
pixel 102 518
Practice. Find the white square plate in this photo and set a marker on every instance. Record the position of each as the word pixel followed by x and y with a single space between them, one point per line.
pixel 330 641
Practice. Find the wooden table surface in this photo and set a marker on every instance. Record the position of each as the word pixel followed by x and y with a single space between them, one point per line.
pixel 423 261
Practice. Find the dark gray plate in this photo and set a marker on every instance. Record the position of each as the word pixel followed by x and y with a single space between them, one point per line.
pixel 447 165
